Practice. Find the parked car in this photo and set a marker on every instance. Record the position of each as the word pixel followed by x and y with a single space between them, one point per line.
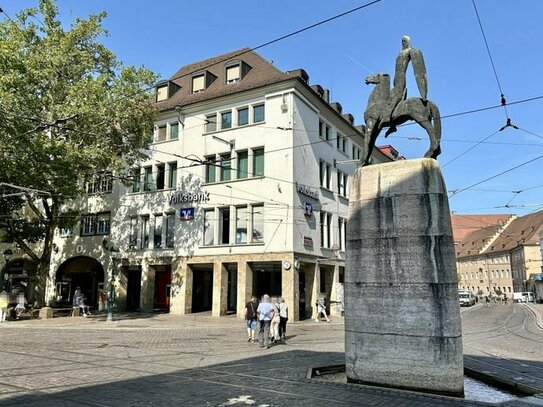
pixel 466 298
pixel 524 296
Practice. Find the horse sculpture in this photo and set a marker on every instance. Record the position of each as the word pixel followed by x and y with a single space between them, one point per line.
pixel 426 114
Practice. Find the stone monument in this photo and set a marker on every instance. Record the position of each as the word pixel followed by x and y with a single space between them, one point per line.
pixel 402 315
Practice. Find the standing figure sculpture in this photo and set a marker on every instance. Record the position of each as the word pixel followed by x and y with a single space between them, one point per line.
pixel 389 108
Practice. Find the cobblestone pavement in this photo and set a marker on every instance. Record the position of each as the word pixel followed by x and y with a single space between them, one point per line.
pixel 198 360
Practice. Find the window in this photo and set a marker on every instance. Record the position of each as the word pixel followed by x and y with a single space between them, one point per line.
pixel 174 131
pixel 321 129
pixel 209 227
pixel 198 83
pixel 103 223
pixel 326 229
pixel 258 162
pixel 226 166
pixel 148 178
pixel 145 231
pixel 106 184
pixel 224 226
pixel 170 229
pixel 233 74
pixel 243 165
pixel 258 113
pixel 172 180
pixel 257 218
pixel 243 116
pixel 210 168
pixel 161 133
pixel 322 285
pixel 211 122
pixel 342 228
pixel 342 183
pixel 324 174
pixel 343 144
pixel 226 120
pixel 136 180
pixel 327 133
pixel 338 141
pixel 161 93
pixel 95 224
pixel 133 239
pixel 157 235
pixel 356 153
pixel 100 183
pixel 160 175
pixel 241 225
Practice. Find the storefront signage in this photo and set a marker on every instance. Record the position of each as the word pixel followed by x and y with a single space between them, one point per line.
pixel 308 241
pixel 308 209
pixel 184 197
pixel 186 213
pixel 304 190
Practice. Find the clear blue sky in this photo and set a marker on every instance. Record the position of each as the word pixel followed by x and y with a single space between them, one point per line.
pixel 164 35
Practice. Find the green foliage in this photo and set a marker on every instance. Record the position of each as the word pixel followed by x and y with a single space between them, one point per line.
pixel 68 109
pixel 480 293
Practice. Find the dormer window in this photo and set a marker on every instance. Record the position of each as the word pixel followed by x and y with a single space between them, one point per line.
pixel 236 71
pixel 233 74
pixel 162 93
pixel 198 83
pixel 201 81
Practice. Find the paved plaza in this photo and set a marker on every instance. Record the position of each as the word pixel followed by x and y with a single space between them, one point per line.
pixel 199 360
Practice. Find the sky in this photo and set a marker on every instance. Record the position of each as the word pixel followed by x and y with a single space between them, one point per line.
pixel 165 35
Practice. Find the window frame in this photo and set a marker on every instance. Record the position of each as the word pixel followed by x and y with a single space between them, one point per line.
pixel 258 106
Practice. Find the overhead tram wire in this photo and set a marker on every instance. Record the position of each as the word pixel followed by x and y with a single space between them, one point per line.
pixel 503 101
pixel 496 175
pixel 265 44
pixel 469 149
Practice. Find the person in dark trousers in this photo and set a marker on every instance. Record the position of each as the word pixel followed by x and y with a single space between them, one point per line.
pixel 264 314
pixel 283 318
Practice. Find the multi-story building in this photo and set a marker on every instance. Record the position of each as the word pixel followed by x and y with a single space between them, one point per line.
pixel 503 256
pixel 245 192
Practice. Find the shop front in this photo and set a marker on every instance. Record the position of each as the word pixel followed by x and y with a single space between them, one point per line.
pixel 84 272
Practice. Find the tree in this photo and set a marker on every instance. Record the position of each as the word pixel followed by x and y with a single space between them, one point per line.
pixel 68 110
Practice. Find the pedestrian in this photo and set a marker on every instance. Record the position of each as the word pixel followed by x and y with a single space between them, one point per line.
pixel 283 318
pixel 77 294
pixel 274 326
pixel 250 318
pixel 487 300
pixel 84 308
pixel 505 299
pixel 264 314
pixel 3 306
pixel 20 307
pixel 321 309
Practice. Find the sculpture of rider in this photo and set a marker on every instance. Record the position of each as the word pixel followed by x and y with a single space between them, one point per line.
pixel 399 91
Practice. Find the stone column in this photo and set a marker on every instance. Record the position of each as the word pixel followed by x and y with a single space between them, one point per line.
pixel 402 316
pixel 289 290
pixel 178 288
pixel 147 297
pixel 186 288
pixel 315 289
pixel 245 287
pixel 220 289
pixel 333 295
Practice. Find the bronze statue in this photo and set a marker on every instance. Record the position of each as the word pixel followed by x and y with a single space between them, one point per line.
pixel 389 108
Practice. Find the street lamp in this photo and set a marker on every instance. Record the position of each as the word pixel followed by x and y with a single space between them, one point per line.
pixel 111 296
pixel 7 256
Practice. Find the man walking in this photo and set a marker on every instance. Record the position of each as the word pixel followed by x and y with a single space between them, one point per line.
pixel 250 318
pixel 265 314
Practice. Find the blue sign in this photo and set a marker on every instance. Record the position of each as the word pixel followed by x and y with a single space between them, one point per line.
pixel 308 209
pixel 186 213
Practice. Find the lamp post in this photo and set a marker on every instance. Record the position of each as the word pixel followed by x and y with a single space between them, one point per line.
pixel 7 256
pixel 111 296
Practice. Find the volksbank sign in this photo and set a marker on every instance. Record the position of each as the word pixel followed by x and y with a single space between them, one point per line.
pixel 184 197
pixel 304 190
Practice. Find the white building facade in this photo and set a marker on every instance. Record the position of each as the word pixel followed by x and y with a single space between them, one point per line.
pixel 245 192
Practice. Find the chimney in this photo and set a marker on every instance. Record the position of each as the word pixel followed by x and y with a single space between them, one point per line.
pixel 326 96
pixel 318 90
pixel 349 117
pixel 336 106
pixel 301 73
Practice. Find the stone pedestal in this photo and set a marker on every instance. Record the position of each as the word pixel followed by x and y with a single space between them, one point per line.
pixel 402 316
pixel 46 313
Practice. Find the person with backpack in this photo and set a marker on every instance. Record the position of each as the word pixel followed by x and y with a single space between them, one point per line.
pixel 250 318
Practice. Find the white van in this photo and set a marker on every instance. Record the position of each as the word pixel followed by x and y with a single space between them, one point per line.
pixel 524 296
pixel 466 298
